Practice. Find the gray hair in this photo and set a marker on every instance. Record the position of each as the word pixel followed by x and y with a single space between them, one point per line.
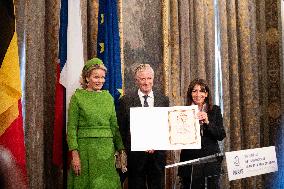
pixel 143 67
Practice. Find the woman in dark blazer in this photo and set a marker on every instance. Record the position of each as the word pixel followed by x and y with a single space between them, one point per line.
pixel 211 131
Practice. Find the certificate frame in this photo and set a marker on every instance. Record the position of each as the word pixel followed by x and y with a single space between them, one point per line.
pixel 154 128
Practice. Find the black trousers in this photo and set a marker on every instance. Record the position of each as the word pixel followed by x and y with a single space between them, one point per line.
pixel 146 170
pixel 201 176
pixel 199 183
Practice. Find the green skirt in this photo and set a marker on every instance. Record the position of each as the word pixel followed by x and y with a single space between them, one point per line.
pixel 97 165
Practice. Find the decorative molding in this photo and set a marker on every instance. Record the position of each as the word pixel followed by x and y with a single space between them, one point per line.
pixel 166 49
pixel 120 25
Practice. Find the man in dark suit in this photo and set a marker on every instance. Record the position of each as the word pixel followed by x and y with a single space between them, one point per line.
pixel 145 169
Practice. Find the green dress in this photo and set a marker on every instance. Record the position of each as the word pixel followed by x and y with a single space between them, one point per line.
pixel 92 130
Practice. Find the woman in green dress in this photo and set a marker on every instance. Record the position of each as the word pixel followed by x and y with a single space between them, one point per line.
pixel 92 132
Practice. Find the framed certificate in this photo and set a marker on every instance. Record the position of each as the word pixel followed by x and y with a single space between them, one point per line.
pixel 164 128
pixel 183 127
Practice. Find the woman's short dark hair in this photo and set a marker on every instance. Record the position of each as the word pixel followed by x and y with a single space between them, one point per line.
pixel 204 86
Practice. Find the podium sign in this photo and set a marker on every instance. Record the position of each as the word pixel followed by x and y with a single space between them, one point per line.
pixel 251 162
pixel 164 128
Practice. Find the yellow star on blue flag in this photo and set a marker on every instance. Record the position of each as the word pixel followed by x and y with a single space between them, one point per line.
pixel 109 46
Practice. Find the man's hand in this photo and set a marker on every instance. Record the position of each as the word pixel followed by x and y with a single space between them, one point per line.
pixel 150 151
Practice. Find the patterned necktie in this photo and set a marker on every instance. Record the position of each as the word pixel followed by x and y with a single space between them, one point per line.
pixel 145 101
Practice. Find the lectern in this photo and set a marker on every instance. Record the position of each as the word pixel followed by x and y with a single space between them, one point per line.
pixel 198 161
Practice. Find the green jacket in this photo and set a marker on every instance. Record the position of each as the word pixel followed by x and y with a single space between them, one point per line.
pixel 92 114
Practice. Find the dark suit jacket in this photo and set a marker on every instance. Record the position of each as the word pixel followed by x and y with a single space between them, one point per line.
pixel 212 133
pixel 123 115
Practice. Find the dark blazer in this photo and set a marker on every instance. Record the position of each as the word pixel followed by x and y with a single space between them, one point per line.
pixel 142 167
pixel 123 115
pixel 212 133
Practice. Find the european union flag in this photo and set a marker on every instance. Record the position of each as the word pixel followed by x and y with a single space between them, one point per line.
pixel 109 46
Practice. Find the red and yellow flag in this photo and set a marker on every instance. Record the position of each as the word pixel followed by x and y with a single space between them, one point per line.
pixel 11 121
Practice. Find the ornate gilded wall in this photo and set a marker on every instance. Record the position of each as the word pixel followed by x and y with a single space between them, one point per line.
pixel 250 36
pixel 142 39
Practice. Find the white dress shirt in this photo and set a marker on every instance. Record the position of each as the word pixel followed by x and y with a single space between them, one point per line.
pixel 150 98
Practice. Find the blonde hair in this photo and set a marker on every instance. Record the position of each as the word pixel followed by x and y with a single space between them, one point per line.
pixel 86 73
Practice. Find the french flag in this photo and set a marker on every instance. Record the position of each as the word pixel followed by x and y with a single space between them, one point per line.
pixel 71 62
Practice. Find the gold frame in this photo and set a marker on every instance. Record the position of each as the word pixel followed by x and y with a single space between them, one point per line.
pixel 120 25
pixel 166 49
